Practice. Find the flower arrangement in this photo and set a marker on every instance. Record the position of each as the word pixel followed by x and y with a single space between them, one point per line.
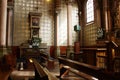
pixel 36 42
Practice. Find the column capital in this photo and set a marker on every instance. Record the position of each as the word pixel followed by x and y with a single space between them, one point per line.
pixel 69 2
pixel 58 6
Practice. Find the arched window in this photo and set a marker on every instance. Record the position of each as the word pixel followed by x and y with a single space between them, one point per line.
pixel 90 11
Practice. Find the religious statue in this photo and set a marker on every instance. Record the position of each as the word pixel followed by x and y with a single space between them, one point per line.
pixel 100 33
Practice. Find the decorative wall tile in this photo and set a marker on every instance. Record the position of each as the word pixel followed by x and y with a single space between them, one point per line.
pixel 21 20
pixel 90 35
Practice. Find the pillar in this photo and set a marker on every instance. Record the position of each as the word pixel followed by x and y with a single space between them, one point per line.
pixel 9 27
pixel 57 11
pixel 3 20
pixel 107 15
pixel 57 49
pixel 69 28
pixel 3 23
pixel 69 23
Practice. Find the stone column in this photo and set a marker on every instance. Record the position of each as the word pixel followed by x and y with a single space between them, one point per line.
pixel 69 28
pixel 69 23
pixel 57 11
pixel 9 27
pixel 106 15
pixel 57 49
pixel 3 20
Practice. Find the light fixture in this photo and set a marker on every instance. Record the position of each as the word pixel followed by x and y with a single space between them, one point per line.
pixel 47 0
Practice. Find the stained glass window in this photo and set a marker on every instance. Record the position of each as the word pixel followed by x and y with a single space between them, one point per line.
pixel 90 11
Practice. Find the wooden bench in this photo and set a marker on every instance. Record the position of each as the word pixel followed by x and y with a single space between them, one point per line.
pixel 7 65
pixel 84 70
pixel 41 73
pixel 68 69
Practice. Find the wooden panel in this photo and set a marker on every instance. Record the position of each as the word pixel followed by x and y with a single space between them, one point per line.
pixel 52 50
pixel 63 50
pixel 89 55
pixel 77 47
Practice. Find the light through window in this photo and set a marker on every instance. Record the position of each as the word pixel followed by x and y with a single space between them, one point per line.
pixel 90 11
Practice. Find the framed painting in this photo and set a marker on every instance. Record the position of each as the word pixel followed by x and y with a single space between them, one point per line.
pixel 35 20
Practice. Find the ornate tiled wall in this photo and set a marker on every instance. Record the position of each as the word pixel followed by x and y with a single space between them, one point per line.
pixel 21 20
pixel 90 35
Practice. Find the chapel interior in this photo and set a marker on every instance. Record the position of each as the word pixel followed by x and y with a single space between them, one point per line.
pixel 60 40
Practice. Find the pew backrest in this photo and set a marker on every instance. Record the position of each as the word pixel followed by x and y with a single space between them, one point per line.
pixel 86 68
pixel 39 71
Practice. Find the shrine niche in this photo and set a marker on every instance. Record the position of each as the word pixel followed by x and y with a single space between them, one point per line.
pixel 34 21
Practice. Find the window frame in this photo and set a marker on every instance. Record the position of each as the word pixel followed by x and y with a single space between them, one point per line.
pixel 93 15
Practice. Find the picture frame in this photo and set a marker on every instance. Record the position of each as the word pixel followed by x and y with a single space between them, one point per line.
pixel 35 20
pixel 35 32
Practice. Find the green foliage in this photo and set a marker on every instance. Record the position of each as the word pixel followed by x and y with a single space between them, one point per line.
pixel 36 41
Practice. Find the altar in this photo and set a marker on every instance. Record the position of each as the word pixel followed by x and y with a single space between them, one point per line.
pixel 40 53
pixel 31 51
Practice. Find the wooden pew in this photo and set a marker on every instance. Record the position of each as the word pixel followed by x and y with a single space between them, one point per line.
pixel 41 73
pixel 7 65
pixel 84 70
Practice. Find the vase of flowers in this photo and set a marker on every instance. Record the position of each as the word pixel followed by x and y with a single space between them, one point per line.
pixel 36 42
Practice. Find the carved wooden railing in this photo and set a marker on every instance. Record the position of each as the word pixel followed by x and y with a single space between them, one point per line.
pixel 90 55
pixel 106 57
pixel 109 55
pixel 113 56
